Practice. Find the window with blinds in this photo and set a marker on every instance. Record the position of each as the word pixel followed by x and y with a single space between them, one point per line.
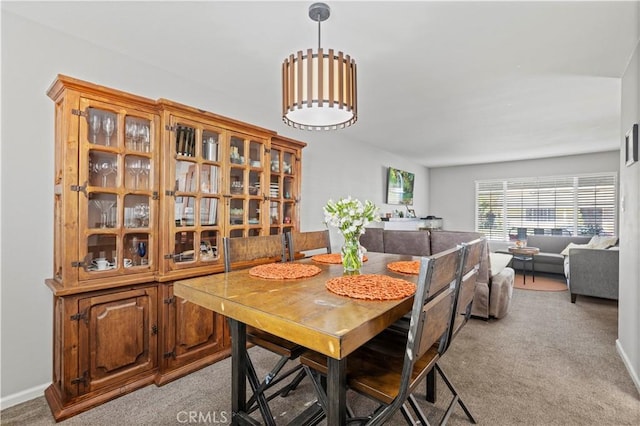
pixel 563 205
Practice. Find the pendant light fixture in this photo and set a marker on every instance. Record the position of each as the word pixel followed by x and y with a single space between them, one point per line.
pixel 319 88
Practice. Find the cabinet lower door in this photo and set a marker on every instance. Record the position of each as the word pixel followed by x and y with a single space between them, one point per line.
pixel 192 331
pixel 118 338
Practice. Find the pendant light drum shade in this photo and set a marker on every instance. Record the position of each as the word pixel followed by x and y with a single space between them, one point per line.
pixel 319 89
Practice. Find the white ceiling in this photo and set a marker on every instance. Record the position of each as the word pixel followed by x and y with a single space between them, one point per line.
pixel 443 83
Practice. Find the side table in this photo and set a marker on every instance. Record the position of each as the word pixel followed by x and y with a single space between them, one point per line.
pixel 525 255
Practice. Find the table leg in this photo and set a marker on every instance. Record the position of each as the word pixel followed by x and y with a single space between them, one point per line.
pixel 238 369
pixel 533 268
pixel 337 391
pixel 431 386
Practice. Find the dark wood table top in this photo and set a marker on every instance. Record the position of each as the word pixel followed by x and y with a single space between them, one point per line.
pixel 302 310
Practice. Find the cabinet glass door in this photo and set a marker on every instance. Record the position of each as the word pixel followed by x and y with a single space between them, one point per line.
pixel 195 197
pixel 283 190
pixel 245 192
pixel 119 185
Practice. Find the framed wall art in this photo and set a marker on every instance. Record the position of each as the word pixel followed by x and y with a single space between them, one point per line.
pixel 631 145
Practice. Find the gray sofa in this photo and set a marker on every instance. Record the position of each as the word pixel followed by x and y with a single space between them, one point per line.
pixel 549 259
pixel 592 272
pixel 493 293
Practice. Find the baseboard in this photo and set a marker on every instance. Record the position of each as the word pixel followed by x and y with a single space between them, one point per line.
pixel 627 363
pixel 23 396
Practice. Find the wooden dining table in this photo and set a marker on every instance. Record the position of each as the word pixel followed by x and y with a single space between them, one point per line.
pixel 302 311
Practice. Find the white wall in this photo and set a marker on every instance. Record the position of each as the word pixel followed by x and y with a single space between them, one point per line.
pixel 458 212
pixel 629 312
pixel 32 56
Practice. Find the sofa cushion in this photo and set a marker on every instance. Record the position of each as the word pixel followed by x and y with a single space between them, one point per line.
pixel 554 243
pixel 372 239
pixel 414 243
pixel 498 261
pixel 565 252
pixel 602 242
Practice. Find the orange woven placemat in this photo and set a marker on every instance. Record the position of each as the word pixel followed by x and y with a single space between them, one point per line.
pixel 371 287
pixel 331 258
pixel 405 266
pixel 280 271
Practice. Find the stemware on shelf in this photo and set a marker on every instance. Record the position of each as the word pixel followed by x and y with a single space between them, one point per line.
pixel 136 168
pixel 104 168
pixel 104 206
pixel 143 134
pixel 94 124
pixel 131 133
pixel 108 125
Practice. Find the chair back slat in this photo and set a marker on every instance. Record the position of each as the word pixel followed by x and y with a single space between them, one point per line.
pixel 307 241
pixel 437 314
pixel 245 249
pixel 434 299
pixel 462 311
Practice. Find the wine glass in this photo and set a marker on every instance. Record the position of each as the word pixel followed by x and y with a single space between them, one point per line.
pixel 133 249
pixel 141 213
pixel 94 123
pixel 108 125
pixel 136 168
pixel 105 168
pixel 131 134
pixel 143 134
pixel 142 250
pixel 104 206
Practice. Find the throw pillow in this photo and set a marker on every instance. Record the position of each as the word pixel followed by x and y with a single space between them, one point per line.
pixel 565 252
pixel 602 242
pixel 498 262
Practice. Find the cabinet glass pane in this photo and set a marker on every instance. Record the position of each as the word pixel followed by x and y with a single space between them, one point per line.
pixel 236 212
pixel 136 249
pixel 287 213
pixel 236 181
pixel 138 169
pixel 254 232
pixel 210 145
pixel 103 169
pixel 274 212
pixel 185 141
pixel 274 187
pixel 137 134
pixel 136 211
pixel 287 162
pixel 275 160
pixel 184 246
pixel 254 183
pixel 236 155
pixel 287 192
pixel 186 176
pixel 209 179
pixel 184 211
pixel 236 233
pixel 208 211
pixel 101 250
pixel 254 212
pixel 102 210
pixel 209 241
pixel 255 154
pixel 103 127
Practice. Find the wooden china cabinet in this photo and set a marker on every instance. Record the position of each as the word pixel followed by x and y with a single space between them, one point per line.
pixel 145 191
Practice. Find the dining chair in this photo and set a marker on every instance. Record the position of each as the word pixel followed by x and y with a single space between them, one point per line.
pixel 461 314
pixel 300 242
pixel 389 367
pixel 239 252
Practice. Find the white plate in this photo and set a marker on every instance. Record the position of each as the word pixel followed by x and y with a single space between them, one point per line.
pixel 94 268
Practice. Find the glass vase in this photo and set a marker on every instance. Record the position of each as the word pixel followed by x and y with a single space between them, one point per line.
pixel 352 254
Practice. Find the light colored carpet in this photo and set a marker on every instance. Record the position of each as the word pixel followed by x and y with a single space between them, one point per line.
pixel 548 362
